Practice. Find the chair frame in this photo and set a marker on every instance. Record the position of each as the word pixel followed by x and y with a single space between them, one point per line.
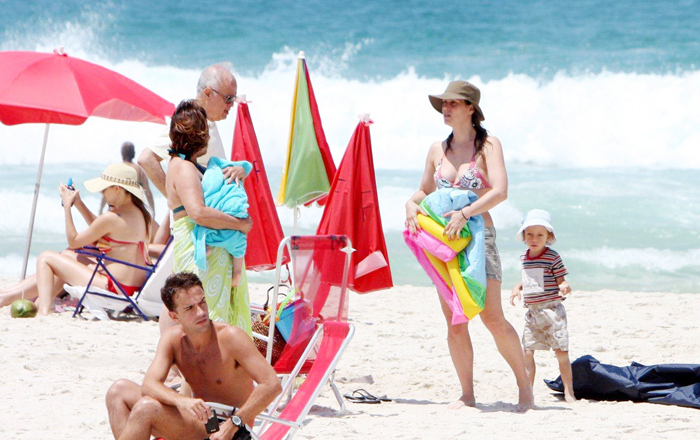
pixel 284 244
pixel 101 257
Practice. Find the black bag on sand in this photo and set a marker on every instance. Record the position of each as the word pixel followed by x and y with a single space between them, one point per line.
pixel 669 384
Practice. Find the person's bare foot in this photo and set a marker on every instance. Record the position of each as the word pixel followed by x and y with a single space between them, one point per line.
pixel 569 396
pixel 526 399
pixel 462 402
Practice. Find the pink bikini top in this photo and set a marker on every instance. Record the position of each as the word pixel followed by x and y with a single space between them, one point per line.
pixel 471 179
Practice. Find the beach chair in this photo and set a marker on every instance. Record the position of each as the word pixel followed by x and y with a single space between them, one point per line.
pixel 319 267
pixel 145 303
pixel 334 337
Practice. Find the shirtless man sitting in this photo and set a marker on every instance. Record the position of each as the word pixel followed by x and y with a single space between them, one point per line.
pixel 219 362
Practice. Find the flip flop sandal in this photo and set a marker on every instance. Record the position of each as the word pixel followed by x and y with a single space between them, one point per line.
pixel 363 396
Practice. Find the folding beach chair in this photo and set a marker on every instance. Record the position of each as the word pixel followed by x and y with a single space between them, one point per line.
pixel 146 302
pixel 334 337
pixel 319 267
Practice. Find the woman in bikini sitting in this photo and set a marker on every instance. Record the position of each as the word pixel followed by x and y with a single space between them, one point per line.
pixel 122 232
pixel 471 159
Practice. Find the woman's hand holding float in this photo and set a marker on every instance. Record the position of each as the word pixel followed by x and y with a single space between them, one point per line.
pixel 457 221
pixel 412 211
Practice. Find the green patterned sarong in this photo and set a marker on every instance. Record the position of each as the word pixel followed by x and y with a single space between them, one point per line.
pixel 226 304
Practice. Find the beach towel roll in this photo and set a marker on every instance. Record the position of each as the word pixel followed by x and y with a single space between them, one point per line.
pixel 229 198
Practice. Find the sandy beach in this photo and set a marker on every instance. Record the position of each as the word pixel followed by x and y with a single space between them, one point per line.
pixel 56 371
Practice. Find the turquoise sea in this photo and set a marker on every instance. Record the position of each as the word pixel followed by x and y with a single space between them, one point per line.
pixel 597 105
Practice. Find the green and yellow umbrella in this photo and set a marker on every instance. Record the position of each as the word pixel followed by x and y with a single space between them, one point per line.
pixel 309 168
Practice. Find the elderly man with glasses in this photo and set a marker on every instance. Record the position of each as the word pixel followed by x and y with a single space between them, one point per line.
pixel 216 92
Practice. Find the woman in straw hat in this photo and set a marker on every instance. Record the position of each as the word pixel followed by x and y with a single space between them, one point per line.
pixel 471 159
pixel 122 232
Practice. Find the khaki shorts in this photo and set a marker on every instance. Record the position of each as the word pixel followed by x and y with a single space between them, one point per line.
pixel 493 259
pixel 545 327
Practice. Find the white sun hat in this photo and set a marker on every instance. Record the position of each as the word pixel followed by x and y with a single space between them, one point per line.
pixel 537 217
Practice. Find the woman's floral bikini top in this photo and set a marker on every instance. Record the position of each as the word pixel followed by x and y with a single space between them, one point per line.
pixel 471 179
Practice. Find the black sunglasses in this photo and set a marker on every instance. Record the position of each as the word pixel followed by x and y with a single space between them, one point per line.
pixel 228 99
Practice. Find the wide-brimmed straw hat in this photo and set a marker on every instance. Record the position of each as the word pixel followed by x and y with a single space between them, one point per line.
pixel 117 174
pixel 459 90
pixel 537 217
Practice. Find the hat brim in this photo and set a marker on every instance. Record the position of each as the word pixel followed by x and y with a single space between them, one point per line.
pixel 537 222
pixel 99 184
pixel 436 101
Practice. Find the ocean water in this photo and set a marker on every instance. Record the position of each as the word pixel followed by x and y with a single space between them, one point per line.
pixel 597 105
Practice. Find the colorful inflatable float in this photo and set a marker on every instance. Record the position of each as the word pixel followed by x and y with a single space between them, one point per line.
pixel 456 267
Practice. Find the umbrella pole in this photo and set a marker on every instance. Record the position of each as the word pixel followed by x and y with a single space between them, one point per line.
pixel 36 197
pixel 297 215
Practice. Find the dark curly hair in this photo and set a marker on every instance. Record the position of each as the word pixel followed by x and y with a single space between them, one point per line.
pixel 175 284
pixel 189 130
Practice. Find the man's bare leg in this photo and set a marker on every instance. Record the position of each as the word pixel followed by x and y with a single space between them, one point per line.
pixel 507 342
pixel 462 355
pixel 121 398
pixel 566 375
pixel 150 417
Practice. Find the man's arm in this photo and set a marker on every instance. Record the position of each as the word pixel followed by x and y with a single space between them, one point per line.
pixel 150 163
pixel 143 181
pixel 154 382
pixel 260 371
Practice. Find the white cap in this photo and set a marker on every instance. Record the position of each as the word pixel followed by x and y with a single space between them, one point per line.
pixel 537 217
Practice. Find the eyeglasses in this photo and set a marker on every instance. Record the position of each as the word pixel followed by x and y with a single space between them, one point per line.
pixel 228 99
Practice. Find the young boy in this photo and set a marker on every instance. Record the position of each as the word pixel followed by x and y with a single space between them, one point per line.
pixel 541 291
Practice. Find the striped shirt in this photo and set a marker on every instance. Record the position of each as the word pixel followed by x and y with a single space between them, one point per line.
pixel 540 275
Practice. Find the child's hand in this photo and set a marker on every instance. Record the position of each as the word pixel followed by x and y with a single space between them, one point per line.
pixel 515 294
pixel 564 288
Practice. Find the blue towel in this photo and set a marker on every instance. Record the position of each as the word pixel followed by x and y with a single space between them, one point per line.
pixel 229 198
pixel 474 255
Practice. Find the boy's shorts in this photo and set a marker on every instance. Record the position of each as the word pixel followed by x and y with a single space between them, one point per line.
pixel 545 327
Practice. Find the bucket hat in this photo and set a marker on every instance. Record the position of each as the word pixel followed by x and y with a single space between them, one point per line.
pixel 117 174
pixel 537 217
pixel 459 90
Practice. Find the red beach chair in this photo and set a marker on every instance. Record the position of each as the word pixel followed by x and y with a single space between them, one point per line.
pixel 334 337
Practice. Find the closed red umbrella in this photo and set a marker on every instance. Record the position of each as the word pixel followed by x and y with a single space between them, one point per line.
pixel 353 210
pixel 265 236
pixel 53 88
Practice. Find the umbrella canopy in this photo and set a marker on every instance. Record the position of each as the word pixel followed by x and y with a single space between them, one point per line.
pixel 265 236
pixel 309 167
pixel 58 89
pixel 353 210
pixel 54 88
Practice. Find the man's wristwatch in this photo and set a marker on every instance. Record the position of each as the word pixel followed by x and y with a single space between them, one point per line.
pixel 237 422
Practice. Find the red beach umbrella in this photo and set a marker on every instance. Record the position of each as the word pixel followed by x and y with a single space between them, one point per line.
pixel 353 210
pixel 53 88
pixel 265 236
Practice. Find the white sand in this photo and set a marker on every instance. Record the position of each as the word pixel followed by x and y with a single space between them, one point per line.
pixel 56 371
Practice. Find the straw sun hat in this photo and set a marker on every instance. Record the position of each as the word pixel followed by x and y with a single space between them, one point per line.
pixel 117 174
pixel 459 90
